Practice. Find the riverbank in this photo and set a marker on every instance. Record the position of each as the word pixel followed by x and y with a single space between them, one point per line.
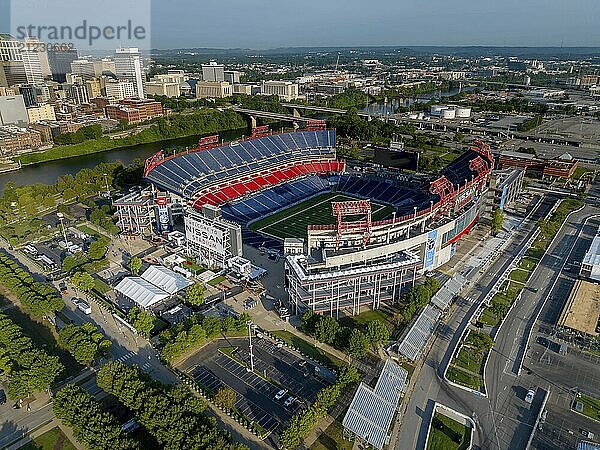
pixel 202 122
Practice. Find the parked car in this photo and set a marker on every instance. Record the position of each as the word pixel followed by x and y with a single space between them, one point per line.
pixel 84 307
pixel 529 396
pixel 281 394
pixel 587 434
pixel 289 401
pixel 2 397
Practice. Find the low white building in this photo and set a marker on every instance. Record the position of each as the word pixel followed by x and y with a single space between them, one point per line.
pixel 141 292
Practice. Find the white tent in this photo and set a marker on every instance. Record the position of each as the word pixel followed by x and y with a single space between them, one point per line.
pixel 166 279
pixel 140 291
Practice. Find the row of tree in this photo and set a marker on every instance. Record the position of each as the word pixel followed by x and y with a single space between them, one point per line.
pixel 81 135
pixel 39 298
pixel 204 121
pixel 95 428
pixel 417 297
pixel 305 420
pixel 195 331
pixel 84 342
pixel 353 340
pixel 27 368
pixel 171 414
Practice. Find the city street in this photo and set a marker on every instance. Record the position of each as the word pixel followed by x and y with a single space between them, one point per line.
pixel 493 415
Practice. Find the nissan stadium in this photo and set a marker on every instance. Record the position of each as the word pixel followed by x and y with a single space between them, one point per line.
pixel 365 236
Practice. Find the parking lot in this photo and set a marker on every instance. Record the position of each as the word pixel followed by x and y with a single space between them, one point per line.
pixel 226 362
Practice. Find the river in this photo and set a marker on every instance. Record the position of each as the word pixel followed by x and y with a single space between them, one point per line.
pixel 389 107
pixel 49 172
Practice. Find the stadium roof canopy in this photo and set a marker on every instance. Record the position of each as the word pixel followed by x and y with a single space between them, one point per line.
pixel 372 409
pixel 140 291
pixel 415 340
pixel 167 280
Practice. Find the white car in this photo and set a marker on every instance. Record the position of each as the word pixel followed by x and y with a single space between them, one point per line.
pixel 280 394
pixel 289 401
pixel 529 396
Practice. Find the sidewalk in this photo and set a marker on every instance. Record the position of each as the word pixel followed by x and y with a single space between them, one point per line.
pixel 44 429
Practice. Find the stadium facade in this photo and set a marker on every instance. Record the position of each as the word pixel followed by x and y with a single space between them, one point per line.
pixel 357 261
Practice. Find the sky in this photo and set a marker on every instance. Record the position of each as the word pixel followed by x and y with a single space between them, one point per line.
pixel 263 24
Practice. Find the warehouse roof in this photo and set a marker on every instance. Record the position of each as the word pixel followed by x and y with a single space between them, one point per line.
pixel 166 279
pixel 140 291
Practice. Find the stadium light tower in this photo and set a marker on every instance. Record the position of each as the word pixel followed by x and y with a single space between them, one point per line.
pixel 61 217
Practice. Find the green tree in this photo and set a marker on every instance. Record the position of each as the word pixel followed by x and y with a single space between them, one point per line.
pixel 195 295
pixel 326 329
pixel 225 398
pixel 377 332
pixel 83 281
pixel 26 368
pixel 358 344
pixel 308 321
pixel 84 342
pixel 135 264
pixel 497 220
pixel 93 427
pixel 141 320
pixel 171 414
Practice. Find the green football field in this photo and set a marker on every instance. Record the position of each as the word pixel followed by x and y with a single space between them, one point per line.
pixel 293 221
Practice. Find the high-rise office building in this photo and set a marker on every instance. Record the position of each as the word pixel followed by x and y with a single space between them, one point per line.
pixel 60 63
pixel 10 48
pixel 11 61
pixel 31 62
pixel 213 72
pixel 233 76
pixel 128 65
pixel 84 68
pixel 119 89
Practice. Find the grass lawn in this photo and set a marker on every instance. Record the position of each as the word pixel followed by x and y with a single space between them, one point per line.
pixel 53 439
pixel 579 172
pixel 463 378
pixel 89 231
pixel 527 264
pixel 101 286
pixel 591 406
pixel 216 281
pixel 308 349
pixel 469 359
pixel 448 434
pixel 519 275
pixel 489 318
pixel 534 252
pixel 292 222
pixel 332 439
pixel 369 316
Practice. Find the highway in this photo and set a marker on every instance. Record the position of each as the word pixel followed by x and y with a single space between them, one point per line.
pixel 503 419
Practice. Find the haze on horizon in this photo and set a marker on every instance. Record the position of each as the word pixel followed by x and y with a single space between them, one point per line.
pixel 268 24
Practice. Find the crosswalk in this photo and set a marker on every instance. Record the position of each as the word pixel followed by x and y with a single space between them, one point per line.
pixel 124 358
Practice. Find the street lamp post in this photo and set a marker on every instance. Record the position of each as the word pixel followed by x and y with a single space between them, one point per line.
pixel 250 346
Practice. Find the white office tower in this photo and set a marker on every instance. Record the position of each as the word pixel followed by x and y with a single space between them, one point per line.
pixel 213 72
pixel 128 65
pixel 32 61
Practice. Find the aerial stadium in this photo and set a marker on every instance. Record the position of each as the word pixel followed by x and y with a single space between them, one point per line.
pixel 366 235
